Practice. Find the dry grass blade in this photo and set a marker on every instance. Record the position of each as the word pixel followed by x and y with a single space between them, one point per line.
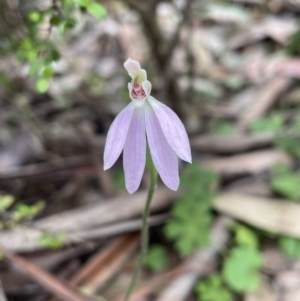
pixel 61 290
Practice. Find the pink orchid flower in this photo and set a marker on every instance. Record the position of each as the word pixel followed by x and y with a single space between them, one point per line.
pixel 166 135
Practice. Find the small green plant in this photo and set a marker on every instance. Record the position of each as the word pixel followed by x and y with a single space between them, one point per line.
pixel 188 226
pixel 24 211
pixel 290 246
pixel 286 182
pixel 244 236
pixel 272 123
pixel 213 289
pixel 52 241
pixel 289 144
pixel 157 258
pixel 222 128
pixel 38 50
pixel 240 269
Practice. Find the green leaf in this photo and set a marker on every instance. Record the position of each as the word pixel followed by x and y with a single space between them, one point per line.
pixel 157 258
pixel 27 44
pixel 290 246
pixel 273 123
pixel 31 55
pixel 292 47
pixel 66 25
pixel 212 289
pixel 6 201
pixel 296 123
pixel 55 55
pixel 222 128
pixel 118 179
pixel 48 71
pixel 23 211
pixel 97 10
pixel 289 144
pixel 83 3
pixel 55 21
pixel 234 82
pixel 35 67
pixel 34 16
pixel 286 183
pixel 42 85
pixel 52 241
pixel 244 236
pixel 240 269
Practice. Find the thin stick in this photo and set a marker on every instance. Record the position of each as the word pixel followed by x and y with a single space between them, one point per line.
pixel 61 290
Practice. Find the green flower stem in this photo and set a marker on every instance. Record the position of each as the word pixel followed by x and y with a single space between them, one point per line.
pixel 144 231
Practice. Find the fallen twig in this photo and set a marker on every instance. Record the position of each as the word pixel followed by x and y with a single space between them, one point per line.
pixel 61 290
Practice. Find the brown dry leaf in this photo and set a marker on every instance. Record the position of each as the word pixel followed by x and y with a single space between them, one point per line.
pixel 277 216
pixel 251 163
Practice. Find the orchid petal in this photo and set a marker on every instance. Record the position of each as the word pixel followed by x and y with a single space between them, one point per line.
pixel 173 129
pixel 116 136
pixel 163 156
pixel 147 87
pixel 134 69
pixel 134 154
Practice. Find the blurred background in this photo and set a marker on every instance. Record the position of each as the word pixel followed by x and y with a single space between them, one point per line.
pixel 230 70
